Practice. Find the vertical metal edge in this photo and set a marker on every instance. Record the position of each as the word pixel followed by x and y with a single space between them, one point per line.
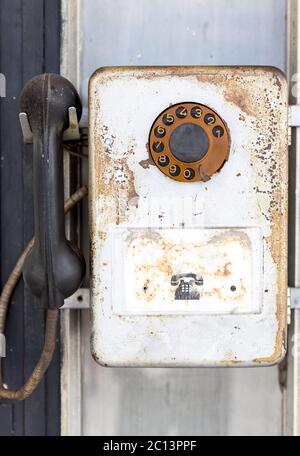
pixel 70 41
pixel 292 68
pixel 70 319
pixel 295 374
pixel 71 373
pixel 291 396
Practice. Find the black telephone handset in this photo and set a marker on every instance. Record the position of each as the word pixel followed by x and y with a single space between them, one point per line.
pixel 54 268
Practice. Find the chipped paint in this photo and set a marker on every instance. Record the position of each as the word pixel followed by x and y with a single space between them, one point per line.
pixel 131 201
pixel 146 163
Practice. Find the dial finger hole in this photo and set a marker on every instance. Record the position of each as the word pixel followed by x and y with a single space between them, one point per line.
pixel 218 131
pixel 158 146
pixel 181 112
pixel 163 160
pixel 168 119
pixel 209 119
pixel 196 112
pixel 189 173
pixel 160 132
pixel 174 170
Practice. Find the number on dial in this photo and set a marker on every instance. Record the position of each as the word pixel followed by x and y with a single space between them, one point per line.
pixel 209 119
pixel 158 146
pixel 181 112
pixel 160 132
pixel 189 173
pixel 196 112
pixel 163 160
pixel 174 170
pixel 168 119
pixel 218 131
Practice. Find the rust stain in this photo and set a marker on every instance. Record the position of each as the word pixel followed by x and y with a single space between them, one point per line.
pixel 232 236
pixel 229 359
pixel 278 79
pixel 146 285
pixel 164 266
pixel 239 96
pixel 278 248
pixel 147 163
pixel 276 212
pixel 218 75
pixel 235 297
pixel 225 271
pixel 229 362
pixel 115 180
pixel 102 235
pixel 133 197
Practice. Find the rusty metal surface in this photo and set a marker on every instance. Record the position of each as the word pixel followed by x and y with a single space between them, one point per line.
pixel 249 193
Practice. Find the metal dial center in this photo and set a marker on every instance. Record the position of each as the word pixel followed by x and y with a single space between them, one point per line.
pixel 189 143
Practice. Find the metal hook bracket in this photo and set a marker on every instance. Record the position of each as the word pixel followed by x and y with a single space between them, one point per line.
pixel 2 346
pixel 71 134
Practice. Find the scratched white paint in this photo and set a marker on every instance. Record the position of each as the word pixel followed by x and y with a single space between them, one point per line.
pixel 248 196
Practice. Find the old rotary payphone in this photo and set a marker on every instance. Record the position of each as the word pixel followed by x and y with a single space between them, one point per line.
pixel 188 212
